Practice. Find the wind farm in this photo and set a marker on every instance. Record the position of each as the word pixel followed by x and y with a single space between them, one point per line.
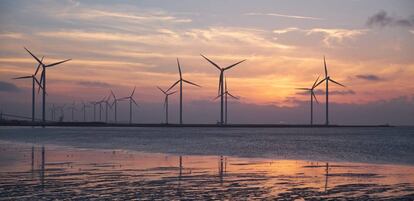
pixel 102 107
pixel 206 100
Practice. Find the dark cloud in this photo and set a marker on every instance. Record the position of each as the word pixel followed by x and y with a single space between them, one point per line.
pixel 8 87
pixel 94 84
pixel 345 92
pixel 322 92
pixel 369 77
pixel 382 19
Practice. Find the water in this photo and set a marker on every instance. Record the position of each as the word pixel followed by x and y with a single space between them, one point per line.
pixel 370 145
pixel 206 163
pixel 56 172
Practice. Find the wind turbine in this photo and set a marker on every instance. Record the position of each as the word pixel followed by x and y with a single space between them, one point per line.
pixel 107 106
pixel 328 79
pixel 72 108
pixel 94 103
pixel 84 106
pixel 115 103
pixel 166 102
pixel 226 93
pixel 34 82
pixel 43 79
pixel 62 112
pixel 100 107
pixel 131 100
pixel 221 83
pixel 52 112
pixel 181 80
pixel 312 95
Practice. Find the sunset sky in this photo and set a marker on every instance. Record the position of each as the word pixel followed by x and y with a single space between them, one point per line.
pixel 368 44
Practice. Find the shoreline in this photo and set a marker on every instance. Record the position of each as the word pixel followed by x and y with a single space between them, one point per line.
pixel 161 125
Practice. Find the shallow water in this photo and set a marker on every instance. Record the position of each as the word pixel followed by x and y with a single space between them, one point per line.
pixel 93 174
pixel 368 145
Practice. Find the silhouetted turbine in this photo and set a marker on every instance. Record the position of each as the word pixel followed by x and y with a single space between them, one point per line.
pixel 166 102
pixel 115 103
pixel 226 93
pixel 52 112
pixel 220 89
pixel 84 106
pixel 94 103
pixel 43 79
pixel 100 107
pixel 34 82
pixel 107 106
pixel 72 108
pixel 181 80
pixel 131 100
pixel 312 95
pixel 328 79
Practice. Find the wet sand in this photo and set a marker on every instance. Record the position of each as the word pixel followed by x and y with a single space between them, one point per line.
pixel 30 172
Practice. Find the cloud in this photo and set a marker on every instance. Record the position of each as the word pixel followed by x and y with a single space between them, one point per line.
pixel 322 92
pixel 337 35
pixel 369 77
pixel 344 92
pixel 287 30
pixel 329 34
pixel 12 35
pixel 144 17
pixel 219 36
pixel 8 87
pixel 94 84
pixel 285 16
pixel 382 19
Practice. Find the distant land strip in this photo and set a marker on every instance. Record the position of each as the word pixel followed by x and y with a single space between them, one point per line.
pixel 102 124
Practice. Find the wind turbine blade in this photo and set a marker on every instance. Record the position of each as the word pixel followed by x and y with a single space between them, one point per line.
pixel 38 66
pixel 42 76
pixel 165 102
pixel 179 68
pixel 232 96
pixel 161 90
pixel 231 66
pixel 217 97
pixel 171 93
pixel 136 104
pixel 306 89
pixel 191 83
pixel 320 82
pixel 214 64
pixel 219 84
pixel 314 84
pixel 57 63
pixel 33 56
pixel 336 82
pixel 173 85
pixel 313 94
pixel 23 77
pixel 225 84
pixel 133 91
pixel 113 95
pixel 326 69
pixel 38 83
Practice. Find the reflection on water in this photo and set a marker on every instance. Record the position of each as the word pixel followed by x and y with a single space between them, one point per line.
pixel 68 173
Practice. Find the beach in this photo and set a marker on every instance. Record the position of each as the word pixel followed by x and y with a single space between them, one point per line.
pixel 148 164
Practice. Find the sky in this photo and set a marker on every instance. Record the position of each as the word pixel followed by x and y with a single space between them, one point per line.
pixel 368 45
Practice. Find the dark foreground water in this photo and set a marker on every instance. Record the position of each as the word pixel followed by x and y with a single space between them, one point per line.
pixel 205 164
